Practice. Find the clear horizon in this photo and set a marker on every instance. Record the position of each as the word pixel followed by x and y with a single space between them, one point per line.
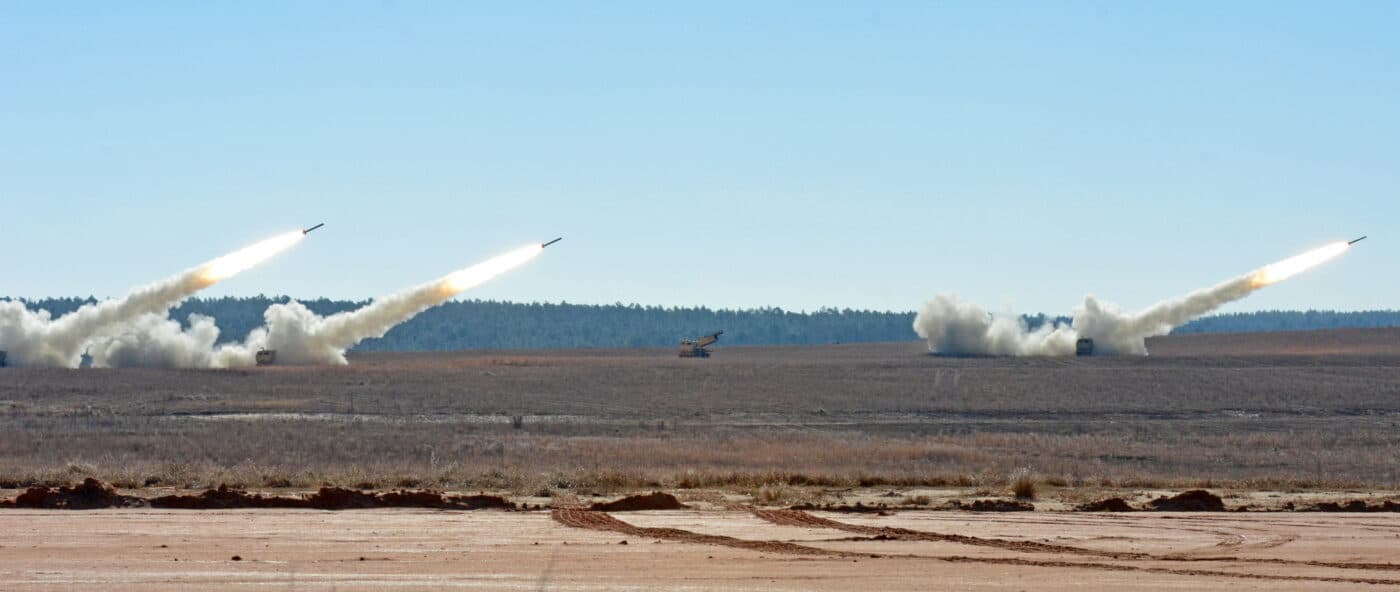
pixel 727 155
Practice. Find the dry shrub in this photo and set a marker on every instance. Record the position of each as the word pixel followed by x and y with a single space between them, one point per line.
pixel 774 494
pixel 600 416
pixel 1023 484
pixel 915 500
pixel 786 495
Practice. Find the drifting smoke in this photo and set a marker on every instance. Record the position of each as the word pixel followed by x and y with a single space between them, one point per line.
pixel 954 327
pixel 299 335
pixel 36 339
pixel 303 337
pixel 154 341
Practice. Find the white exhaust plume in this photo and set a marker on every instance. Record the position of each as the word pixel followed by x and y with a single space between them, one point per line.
pixel 154 341
pixel 303 337
pixel 36 339
pixel 954 327
pixel 299 335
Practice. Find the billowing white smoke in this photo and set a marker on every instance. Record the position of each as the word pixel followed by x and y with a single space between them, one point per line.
pixel 299 335
pixel 302 337
pixel 1115 332
pixel 154 341
pixel 33 338
pixel 954 327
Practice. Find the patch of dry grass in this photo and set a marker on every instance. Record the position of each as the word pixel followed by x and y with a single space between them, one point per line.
pixel 780 420
pixel 1023 484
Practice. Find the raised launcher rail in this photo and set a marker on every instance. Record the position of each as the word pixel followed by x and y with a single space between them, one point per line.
pixel 696 348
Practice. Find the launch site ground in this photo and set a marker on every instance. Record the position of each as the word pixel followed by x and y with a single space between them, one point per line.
pixel 1269 422
pixel 705 549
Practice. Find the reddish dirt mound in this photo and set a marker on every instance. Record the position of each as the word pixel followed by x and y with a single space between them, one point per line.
pixel 481 502
pixel 635 503
pixel 1113 504
pixel 330 498
pixel 224 498
pixel 992 506
pixel 1196 500
pixel 337 498
pixel 90 495
pixel 1352 506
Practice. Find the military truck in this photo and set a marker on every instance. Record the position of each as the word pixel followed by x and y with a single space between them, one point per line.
pixel 266 357
pixel 698 347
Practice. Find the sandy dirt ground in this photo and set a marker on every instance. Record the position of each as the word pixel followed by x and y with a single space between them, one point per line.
pixel 718 548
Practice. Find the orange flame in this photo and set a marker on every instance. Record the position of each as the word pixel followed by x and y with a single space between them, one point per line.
pixel 241 260
pixel 471 277
pixel 1282 270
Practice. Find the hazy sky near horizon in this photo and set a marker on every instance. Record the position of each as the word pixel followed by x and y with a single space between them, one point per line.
pixel 728 154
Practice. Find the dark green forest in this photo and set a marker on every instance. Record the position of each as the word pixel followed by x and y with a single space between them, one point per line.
pixel 474 324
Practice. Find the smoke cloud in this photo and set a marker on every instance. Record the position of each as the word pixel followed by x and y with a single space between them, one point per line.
pixel 34 338
pixel 954 327
pixel 154 341
pixel 298 335
pixel 302 337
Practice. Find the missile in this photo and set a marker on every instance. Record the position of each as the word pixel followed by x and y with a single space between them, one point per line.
pixel 1352 242
pixel 308 230
pixel 562 238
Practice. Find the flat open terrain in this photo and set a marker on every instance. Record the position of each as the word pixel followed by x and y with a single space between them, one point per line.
pixel 1264 420
pixel 713 549
pixel 1308 409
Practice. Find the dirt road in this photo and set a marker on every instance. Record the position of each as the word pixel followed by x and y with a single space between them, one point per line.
pixel 707 549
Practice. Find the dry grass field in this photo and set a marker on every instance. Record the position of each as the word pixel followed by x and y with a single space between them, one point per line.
pixel 1301 411
pixel 1270 422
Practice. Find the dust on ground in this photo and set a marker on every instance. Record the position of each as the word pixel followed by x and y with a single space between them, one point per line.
pixel 716 548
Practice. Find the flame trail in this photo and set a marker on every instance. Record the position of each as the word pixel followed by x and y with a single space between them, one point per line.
pixel 244 259
pixel 952 326
pixel 299 335
pixel 34 339
pixel 1277 272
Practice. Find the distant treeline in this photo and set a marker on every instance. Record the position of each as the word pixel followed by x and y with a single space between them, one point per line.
pixel 1290 320
pixel 490 324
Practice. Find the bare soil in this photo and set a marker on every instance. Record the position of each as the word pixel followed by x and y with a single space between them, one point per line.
pixel 1297 429
pixel 711 548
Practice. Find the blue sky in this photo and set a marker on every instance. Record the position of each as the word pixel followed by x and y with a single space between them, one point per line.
pixel 798 154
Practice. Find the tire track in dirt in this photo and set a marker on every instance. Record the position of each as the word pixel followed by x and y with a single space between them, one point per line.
pixel 1233 543
pixel 1168 570
pixel 592 520
pixel 1295 562
pixel 803 519
pixel 1228 541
